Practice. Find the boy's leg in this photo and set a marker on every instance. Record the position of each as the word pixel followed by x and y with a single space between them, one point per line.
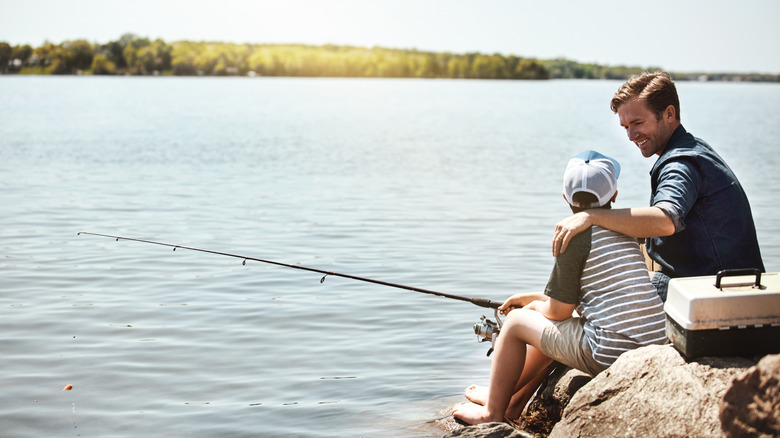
pixel 537 367
pixel 525 387
pixel 521 329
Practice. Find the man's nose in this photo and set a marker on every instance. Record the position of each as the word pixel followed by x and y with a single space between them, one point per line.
pixel 631 132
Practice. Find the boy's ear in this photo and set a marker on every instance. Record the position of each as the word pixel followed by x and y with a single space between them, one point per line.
pixel 614 196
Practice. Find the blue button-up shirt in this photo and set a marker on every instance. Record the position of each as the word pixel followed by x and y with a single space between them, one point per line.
pixel 714 227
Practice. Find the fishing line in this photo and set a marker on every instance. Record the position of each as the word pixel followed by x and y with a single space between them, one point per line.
pixel 481 302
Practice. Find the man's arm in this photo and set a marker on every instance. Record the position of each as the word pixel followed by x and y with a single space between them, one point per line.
pixel 635 222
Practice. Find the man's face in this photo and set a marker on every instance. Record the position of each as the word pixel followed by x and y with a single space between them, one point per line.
pixel 644 129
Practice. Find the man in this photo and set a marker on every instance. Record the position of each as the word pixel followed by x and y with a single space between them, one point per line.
pixel 602 276
pixel 699 220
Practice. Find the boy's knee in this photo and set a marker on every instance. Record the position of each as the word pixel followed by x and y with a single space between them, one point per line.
pixel 519 317
pixel 525 324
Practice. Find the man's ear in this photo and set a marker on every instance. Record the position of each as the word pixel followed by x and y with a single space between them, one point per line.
pixel 614 196
pixel 670 113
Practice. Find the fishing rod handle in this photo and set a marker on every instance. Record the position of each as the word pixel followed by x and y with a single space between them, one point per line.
pixel 483 302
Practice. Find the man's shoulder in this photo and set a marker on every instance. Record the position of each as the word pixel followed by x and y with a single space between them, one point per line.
pixel 686 159
pixel 683 147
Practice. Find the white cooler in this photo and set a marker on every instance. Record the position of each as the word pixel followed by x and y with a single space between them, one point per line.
pixel 734 313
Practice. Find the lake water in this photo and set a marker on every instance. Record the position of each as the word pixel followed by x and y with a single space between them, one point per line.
pixel 449 185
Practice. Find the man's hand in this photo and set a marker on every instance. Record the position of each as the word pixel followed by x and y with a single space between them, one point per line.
pixel 566 229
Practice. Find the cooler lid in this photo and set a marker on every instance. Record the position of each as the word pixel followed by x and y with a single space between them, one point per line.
pixel 696 304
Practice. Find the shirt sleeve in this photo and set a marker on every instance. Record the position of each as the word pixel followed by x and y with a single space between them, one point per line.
pixel 678 187
pixel 564 284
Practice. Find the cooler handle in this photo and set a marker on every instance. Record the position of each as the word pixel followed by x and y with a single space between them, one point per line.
pixel 737 272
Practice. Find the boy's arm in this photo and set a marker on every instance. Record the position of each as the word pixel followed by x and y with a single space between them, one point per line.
pixel 520 300
pixel 634 222
pixel 553 309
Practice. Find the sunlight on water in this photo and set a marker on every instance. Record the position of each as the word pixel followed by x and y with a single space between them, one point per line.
pixel 445 185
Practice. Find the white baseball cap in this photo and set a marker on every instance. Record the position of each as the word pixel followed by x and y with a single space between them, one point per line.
pixel 594 173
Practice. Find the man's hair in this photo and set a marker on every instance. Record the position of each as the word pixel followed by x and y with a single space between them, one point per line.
pixel 656 89
pixel 585 198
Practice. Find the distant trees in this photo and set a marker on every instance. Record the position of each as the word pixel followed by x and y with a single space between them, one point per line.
pixel 134 55
pixel 144 57
pixel 101 65
pixel 200 58
pixel 567 69
pixel 128 55
pixel 5 56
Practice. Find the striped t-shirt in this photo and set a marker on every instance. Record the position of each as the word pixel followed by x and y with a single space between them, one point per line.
pixel 604 274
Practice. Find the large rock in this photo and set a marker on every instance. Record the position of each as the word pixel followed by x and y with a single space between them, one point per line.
pixel 751 406
pixel 652 391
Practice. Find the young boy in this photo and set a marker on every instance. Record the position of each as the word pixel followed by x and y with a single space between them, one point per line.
pixel 602 276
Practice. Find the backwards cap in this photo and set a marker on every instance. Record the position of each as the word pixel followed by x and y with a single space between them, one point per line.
pixel 591 172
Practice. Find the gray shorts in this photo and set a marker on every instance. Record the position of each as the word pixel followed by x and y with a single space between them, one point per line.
pixel 565 342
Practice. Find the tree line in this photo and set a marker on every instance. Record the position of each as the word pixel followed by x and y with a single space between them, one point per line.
pixel 134 55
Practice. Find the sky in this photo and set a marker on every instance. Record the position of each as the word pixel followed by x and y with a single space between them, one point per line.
pixel 676 35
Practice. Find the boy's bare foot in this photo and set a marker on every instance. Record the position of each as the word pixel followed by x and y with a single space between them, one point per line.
pixel 477 394
pixel 472 413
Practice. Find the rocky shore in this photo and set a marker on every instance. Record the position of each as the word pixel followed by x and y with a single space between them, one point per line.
pixel 651 391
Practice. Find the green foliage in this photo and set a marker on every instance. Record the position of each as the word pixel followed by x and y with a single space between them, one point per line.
pixel 49 58
pixel 345 61
pixel 20 56
pixel 134 55
pixel 183 62
pixel 70 57
pixel 5 56
pixel 566 69
pixel 102 66
pixel 77 55
pixel 531 69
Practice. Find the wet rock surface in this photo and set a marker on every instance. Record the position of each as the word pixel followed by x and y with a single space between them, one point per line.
pixel 489 430
pixel 654 391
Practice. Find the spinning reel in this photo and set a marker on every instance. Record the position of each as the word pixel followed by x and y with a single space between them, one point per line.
pixel 487 330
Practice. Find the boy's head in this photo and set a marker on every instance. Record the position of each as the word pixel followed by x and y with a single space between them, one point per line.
pixel 590 181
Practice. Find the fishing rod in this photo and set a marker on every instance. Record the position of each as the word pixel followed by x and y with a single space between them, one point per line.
pixel 485 329
pixel 482 302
